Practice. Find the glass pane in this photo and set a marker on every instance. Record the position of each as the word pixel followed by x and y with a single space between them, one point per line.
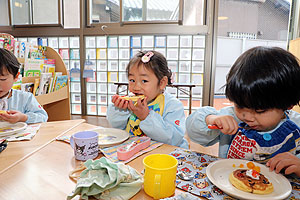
pixel 132 10
pixel 4 19
pixel 193 11
pixel 71 14
pixel 20 12
pixel 243 25
pixel 45 12
pixel 105 11
pixel 162 10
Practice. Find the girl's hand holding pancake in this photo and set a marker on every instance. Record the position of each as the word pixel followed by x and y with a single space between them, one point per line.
pixel 13 116
pixel 287 161
pixel 140 108
pixel 119 102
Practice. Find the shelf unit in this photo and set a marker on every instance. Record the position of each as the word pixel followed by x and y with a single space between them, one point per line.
pixel 57 103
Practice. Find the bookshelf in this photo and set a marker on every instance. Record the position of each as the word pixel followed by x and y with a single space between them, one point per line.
pixel 57 103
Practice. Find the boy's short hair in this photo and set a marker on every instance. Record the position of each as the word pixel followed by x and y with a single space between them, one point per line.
pixel 8 61
pixel 264 78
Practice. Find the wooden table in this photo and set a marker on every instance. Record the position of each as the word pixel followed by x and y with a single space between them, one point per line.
pixel 44 174
pixel 179 86
pixel 18 151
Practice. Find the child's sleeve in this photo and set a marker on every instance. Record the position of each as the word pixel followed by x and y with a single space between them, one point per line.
pixel 117 117
pixel 197 128
pixel 34 111
pixel 168 128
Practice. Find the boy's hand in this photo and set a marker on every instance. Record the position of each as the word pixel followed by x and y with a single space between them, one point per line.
pixel 140 108
pixel 287 161
pixel 119 102
pixel 226 123
pixel 13 116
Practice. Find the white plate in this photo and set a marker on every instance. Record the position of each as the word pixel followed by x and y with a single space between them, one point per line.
pixel 218 173
pixel 111 136
pixel 7 128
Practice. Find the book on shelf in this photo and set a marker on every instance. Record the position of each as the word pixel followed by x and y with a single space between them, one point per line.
pixel 36 86
pixel 32 66
pixel 27 87
pixel 50 85
pixel 54 80
pixel 22 48
pixel 44 83
pixel 61 81
pixel 17 48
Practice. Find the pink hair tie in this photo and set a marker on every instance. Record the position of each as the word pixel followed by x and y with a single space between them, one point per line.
pixel 147 56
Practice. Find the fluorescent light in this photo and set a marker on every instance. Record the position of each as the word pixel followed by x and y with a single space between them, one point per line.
pixel 222 18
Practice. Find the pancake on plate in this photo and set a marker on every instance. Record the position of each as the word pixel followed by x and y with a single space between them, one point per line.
pixel 133 98
pixel 250 181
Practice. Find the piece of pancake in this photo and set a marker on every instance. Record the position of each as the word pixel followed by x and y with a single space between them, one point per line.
pixel 133 98
pixel 241 181
pixel 3 111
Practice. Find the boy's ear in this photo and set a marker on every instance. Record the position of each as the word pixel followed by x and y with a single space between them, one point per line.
pixel 16 78
pixel 163 82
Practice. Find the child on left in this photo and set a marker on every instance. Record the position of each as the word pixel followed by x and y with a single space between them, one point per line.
pixel 20 106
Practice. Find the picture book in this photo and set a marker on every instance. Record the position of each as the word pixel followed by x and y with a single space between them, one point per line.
pixel 33 64
pixel 22 49
pixel 44 83
pixel 31 73
pixel 17 48
pixel 36 86
pixel 54 80
pixel 27 87
pixel 61 81
pixel 16 86
pixel 50 85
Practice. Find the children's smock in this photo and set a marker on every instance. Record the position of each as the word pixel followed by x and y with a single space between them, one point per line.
pixel 249 144
pixel 26 103
pixel 198 131
pixel 168 128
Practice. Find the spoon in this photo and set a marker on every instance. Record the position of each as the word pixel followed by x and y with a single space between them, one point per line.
pixel 185 176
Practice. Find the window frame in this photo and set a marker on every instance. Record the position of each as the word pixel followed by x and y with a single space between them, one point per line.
pixel 30 11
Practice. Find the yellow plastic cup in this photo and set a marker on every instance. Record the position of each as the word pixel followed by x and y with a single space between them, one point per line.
pixel 160 175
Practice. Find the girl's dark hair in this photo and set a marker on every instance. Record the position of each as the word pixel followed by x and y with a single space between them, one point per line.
pixel 158 64
pixel 8 61
pixel 264 78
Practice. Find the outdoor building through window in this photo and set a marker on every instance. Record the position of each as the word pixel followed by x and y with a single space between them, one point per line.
pixel 134 11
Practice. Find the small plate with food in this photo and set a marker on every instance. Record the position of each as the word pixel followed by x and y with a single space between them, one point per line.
pixel 245 179
pixel 7 128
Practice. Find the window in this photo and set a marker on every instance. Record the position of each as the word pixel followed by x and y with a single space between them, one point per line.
pixel 243 25
pixel 150 10
pixel 36 12
pixel 71 14
pixel 4 19
pixel 111 54
pixel 136 11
